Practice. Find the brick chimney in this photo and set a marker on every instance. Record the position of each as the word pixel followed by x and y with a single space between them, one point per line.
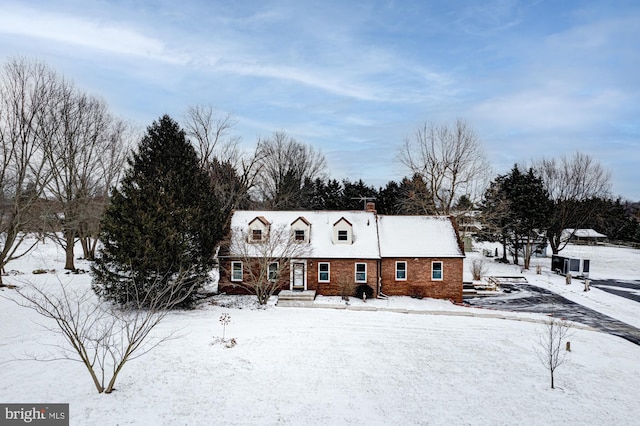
pixel 371 207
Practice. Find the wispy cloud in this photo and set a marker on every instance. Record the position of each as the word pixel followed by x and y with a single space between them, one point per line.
pixel 354 78
pixel 83 32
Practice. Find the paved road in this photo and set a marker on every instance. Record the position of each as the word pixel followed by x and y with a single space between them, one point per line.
pixel 530 298
pixel 628 289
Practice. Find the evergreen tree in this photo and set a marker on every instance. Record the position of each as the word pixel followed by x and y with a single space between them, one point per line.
pixel 516 209
pixel 416 197
pixel 354 193
pixel 495 215
pixel 163 223
pixel 611 217
pixel 530 210
pixel 389 199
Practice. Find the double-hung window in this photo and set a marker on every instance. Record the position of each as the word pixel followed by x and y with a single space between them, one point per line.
pixel 343 235
pixel 299 235
pixel 236 271
pixel 256 235
pixel 401 271
pixel 273 271
pixel 324 272
pixel 361 272
pixel 436 271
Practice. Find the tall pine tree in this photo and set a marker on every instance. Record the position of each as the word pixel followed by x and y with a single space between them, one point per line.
pixel 163 223
pixel 530 210
pixel 516 209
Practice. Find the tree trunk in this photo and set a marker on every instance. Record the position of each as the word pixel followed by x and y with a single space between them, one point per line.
pixel 69 254
pixel 85 247
pixel 516 249
pixel 527 253
pixel 504 250
pixel 554 241
pixel 88 248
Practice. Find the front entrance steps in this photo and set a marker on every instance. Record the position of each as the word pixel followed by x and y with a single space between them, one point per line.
pixel 293 298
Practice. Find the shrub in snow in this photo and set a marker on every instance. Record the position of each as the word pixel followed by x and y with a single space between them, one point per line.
pixel 364 292
pixel 478 269
pixel 347 286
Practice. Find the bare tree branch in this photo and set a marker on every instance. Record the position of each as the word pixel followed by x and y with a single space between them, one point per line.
pixel 570 182
pixel 27 91
pixel 101 335
pixel 450 160
pixel 550 345
pixel 279 247
pixel 212 131
pixel 284 164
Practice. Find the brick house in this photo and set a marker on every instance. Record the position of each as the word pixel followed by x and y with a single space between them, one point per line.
pixel 391 255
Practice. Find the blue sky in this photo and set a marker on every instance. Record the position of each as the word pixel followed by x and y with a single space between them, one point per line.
pixel 354 78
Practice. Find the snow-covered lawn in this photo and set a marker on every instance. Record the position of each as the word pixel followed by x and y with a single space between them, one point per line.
pixel 330 366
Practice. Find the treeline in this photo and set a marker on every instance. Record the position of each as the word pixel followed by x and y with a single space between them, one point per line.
pixel 524 208
pixel 64 153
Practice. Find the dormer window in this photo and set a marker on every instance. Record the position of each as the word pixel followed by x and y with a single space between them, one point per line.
pixel 258 230
pixel 342 232
pixel 301 230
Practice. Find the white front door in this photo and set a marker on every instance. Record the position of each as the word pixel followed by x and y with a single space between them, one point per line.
pixel 297 276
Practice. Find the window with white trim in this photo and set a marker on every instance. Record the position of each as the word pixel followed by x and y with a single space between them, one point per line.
pixel 343 235
pixel 401 271
pixel 436 271
pixel 299 235
pixel 236 271
pixel 273 271
pixel 361 272
pixel 324 272
pixel 256 235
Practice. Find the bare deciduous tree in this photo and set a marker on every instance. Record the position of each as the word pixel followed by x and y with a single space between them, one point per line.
pixel 450 160
pixel 212 132
pixel 106 174
pixel 550 345
pixel 232 171
pixel 570 181
pixel 266 263
pixel 27 90
pixel 84 154
pixel 101 335
pixel 284 166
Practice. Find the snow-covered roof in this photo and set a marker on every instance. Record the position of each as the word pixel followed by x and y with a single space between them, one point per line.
pixel 582 233
pixel 395 236
pixel 418 236
pixel 365 239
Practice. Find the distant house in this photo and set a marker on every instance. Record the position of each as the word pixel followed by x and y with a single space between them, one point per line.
pixel 391 255
pixel 583 236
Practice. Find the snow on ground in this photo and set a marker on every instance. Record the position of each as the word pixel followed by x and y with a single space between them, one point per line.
pixel 606 263
pixel 333 366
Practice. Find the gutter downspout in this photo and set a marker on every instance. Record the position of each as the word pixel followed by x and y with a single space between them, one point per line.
pixel 380 294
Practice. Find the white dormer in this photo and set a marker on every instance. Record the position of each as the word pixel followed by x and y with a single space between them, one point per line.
pixel 342 232
pixel 258 229
pixel 301 230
